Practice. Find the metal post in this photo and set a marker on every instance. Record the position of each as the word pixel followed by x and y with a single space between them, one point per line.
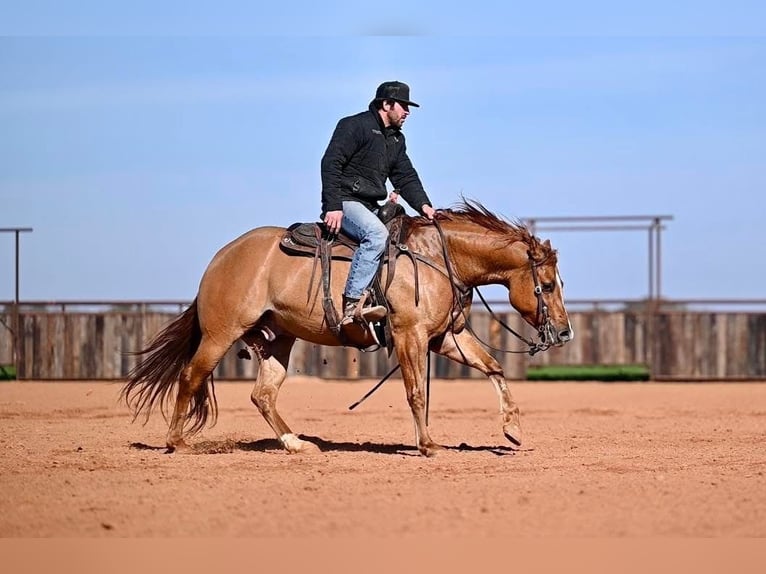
pixel 16 337
pixel 655 304
pixel 16 322
pixel 658 260
pixel 650 295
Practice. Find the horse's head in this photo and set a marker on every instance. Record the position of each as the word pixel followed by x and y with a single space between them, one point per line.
pixel 486 249
pixel 536 291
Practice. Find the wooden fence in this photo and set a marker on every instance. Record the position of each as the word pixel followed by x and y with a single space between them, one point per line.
pixel 684 345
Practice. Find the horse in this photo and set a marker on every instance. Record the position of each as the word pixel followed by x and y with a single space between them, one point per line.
pixel 255 292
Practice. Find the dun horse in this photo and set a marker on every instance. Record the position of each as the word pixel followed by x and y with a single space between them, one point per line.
pixel 254 292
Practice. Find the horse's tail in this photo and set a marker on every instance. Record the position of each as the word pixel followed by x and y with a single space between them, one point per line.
pixel 152 380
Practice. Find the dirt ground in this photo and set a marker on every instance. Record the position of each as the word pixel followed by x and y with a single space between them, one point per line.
pixel 624 460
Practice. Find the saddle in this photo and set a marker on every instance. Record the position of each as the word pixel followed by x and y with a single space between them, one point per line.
pixel 313 240
pixel 306 238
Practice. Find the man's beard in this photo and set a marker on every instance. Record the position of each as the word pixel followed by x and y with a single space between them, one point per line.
pixel 396 122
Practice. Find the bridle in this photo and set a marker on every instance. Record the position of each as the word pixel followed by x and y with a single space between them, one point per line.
pixel 545 330
pixel 545 327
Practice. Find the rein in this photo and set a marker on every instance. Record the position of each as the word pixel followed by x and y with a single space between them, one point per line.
pixel 533 347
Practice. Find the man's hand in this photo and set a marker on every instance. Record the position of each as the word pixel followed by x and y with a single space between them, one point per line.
pixel 332 220
pixel 428 211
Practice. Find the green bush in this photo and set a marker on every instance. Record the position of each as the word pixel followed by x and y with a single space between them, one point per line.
pixel 588 373
pixel 7 373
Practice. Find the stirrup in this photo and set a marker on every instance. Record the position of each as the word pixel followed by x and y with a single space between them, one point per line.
pixel 376 345
pixel 363 315
pixel 369 328
pixel 355 311
pixel 371 314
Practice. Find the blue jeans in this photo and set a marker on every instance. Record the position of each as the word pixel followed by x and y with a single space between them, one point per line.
pixel 363 225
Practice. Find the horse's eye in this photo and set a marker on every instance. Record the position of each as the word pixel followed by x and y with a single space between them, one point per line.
pixel 548 287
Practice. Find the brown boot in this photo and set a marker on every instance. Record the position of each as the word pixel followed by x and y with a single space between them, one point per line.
pixel 349 310
pixel 354 310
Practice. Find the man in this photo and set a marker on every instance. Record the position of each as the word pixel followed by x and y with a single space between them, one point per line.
pixel 365 150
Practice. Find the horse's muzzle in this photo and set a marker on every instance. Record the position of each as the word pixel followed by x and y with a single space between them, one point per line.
pixel 565 335
pixel 551 336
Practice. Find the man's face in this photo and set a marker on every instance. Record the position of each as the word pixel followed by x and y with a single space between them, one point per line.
pixel 395 114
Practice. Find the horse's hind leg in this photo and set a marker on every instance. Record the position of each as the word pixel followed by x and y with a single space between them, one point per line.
pixel 274 357
pixel 191 383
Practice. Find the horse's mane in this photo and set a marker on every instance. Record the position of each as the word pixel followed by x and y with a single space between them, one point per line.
pixel 474 212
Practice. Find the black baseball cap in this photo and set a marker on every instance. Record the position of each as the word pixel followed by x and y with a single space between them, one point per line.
pixel 397 91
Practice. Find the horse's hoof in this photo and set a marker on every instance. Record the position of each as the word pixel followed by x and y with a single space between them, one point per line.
pixel 513 433
pixel 294 445
pixel 179 447
pixel 430 450
pixel 307 447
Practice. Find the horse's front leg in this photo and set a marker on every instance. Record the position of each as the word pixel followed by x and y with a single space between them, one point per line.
pixel 411 352
pixel 465 349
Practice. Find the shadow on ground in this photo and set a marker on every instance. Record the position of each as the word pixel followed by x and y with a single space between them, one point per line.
pixel 271 444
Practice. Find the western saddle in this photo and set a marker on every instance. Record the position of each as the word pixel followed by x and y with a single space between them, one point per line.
pixel 313 240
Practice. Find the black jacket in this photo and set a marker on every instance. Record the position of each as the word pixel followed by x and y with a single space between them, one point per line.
pixel 361 155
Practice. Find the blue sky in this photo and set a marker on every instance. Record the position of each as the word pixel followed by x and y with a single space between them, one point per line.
pixel 137 142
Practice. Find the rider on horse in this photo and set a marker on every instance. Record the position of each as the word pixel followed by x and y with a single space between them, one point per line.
pixel 365 150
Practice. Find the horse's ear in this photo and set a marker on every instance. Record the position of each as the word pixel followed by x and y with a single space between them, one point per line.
pixel 534 247
pixel 547 244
